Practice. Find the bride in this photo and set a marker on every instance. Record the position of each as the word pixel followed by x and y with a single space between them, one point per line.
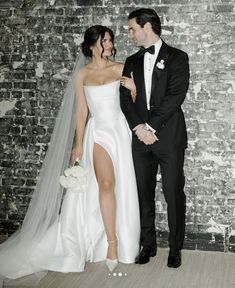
pixel 101 223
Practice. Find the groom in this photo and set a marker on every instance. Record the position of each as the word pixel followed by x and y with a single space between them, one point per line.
pixel 161 76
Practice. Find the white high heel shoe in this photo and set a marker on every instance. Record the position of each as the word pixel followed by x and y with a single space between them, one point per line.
pixel 111 263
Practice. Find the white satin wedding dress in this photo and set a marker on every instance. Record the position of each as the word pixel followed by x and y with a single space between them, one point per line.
pixel 78 235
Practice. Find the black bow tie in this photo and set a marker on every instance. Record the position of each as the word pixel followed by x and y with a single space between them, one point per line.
pixel 150 49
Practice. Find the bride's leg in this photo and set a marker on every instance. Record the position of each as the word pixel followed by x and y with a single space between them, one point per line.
pixel 106 180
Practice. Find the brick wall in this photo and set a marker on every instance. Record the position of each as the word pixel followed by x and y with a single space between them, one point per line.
pixel 39 43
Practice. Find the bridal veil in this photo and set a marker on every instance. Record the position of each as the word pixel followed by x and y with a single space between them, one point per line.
pixel 46 200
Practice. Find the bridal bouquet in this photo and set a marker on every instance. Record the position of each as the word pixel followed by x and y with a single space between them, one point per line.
pixel 75 178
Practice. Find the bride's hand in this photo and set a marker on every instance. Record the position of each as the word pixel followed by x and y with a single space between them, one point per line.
pixel 130 85
pixel 76 154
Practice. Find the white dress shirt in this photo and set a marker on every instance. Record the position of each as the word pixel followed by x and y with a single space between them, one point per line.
pixel 149 62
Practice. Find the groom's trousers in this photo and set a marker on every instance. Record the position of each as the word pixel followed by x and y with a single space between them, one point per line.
pixel 146 162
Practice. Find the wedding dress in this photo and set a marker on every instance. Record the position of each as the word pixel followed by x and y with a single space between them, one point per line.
pixel 78 233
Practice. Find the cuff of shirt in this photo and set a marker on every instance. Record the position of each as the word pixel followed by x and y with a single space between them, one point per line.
pixel 148 127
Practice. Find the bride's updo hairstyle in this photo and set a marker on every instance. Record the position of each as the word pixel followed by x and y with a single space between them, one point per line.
pixel 91 36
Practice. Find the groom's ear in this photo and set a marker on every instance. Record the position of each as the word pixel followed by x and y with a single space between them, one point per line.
pixel 148 26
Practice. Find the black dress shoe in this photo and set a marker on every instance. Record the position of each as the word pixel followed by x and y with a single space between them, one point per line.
pixel 145 255
pixel 174 258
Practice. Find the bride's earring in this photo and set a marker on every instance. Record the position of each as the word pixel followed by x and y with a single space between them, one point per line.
pixel 112 263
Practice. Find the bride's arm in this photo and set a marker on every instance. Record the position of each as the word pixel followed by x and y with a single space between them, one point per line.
pixel 126 81
pixel 82 112
pixel 130 85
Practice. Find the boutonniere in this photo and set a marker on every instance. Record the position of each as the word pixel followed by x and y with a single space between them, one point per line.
pixel 160 65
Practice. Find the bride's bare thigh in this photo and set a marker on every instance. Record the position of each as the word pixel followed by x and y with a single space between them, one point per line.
pixel 104 170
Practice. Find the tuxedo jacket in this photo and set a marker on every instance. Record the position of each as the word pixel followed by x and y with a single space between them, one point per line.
pixel 170 79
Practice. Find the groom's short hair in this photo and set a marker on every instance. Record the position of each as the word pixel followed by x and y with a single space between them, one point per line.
pixel 144 15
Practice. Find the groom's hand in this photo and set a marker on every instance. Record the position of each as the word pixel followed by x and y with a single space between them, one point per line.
pixel 145 135
pixel 150 138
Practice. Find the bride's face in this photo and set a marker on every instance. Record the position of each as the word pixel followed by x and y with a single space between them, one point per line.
pixel 103 47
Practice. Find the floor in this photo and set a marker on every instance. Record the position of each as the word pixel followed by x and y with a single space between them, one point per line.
pixel 199 269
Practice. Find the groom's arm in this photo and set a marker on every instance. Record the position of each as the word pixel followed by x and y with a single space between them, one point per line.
pixel 126 102
pixel 128 108
pixel 177 86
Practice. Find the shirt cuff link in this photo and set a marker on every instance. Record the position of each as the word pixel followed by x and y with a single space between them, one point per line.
pixel 149 128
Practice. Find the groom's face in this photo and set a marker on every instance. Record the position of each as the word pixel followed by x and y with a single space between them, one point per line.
pixel 137 33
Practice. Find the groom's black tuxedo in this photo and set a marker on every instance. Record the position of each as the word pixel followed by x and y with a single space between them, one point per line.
pixel 169 86
pixel 170 80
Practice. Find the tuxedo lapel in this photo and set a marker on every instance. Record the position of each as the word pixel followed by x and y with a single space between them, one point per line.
pixel 140 76
pixel 160 65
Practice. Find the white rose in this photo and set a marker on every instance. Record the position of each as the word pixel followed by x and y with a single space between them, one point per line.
pixel 75 178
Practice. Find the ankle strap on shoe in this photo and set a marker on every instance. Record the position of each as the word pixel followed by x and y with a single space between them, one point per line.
pixel 112 241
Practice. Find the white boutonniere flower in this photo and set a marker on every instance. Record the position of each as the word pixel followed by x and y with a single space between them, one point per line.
pixel 75 178
pixel 160 65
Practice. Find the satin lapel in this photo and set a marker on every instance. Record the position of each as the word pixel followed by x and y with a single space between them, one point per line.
pixel 140 76
pixel 162 55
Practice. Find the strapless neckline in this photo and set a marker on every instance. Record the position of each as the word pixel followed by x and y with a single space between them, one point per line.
pixel 101 85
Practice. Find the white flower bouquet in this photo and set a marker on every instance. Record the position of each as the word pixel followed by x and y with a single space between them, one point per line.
pixel 75 178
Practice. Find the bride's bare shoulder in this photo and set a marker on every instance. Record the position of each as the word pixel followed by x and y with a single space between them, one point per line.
pixel 118 67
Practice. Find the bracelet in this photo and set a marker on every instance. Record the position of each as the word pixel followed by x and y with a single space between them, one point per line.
pixel 133 93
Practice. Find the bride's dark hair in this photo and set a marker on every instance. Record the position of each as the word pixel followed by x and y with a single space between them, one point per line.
pixel 91 36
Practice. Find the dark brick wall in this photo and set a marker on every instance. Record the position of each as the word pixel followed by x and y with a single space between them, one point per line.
pixel 38 46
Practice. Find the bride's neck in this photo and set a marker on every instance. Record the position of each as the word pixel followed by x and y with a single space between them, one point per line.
pixel 99 63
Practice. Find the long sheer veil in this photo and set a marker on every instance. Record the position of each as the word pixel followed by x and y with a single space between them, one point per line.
pixel 46 200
